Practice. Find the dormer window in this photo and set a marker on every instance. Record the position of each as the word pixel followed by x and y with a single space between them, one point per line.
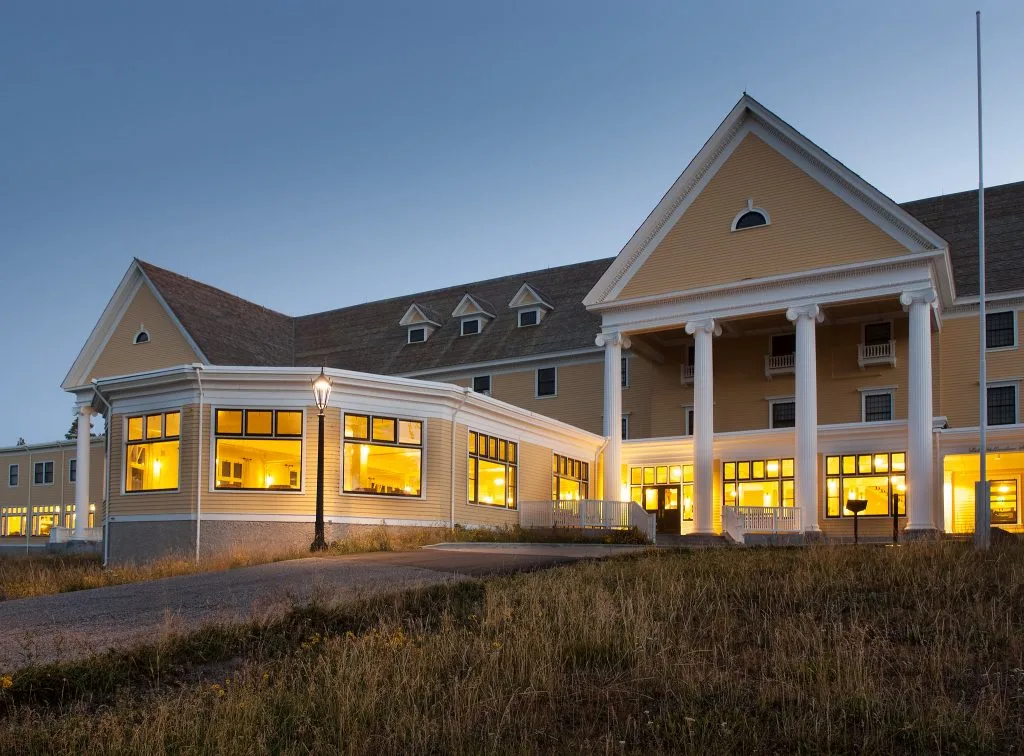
pixel 473 315
pixel 529 318
pixel 470 326
pixel 751 217
pixel 417 335
pixel 420 323
pixel 142 337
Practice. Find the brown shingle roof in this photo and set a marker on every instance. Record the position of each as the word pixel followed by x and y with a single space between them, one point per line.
pixel 228 329
pixel 954 217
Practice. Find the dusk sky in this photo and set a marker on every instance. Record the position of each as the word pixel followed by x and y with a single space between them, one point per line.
pixel 310 155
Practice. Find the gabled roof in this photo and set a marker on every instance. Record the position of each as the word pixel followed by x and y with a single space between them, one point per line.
pixel 527 296
pixel 954 217
pixel 748 114
pixel 420 315
pixel 470 305
pixel 228 329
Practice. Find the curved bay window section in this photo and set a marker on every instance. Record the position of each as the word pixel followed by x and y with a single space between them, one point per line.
pixel 759 483
pixel 879 478
pixel 152 452
pixel 570 479
pixel 383 456
pixel 492 471
pixel 258 450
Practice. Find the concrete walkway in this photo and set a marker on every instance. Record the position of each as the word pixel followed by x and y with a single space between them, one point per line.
pixel 72 625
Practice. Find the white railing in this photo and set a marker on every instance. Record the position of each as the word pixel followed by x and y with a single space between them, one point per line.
pixel 686 374
pixel 877 354
pixel 776 364
pixel 739 521
pixel 63 535
pixel 587 513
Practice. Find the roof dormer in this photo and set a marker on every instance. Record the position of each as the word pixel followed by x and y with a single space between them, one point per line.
pixel 420 323
pixel 473 315
pixel 529 305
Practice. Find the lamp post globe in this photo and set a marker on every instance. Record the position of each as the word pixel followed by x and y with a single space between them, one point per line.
pixel 321 395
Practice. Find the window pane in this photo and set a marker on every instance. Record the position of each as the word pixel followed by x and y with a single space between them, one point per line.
pixel 229 421
pixel 492 447
pixel 376 469
pixel 383 429
pixel 172 424
pixel 999 330
pixel 151 466
pixel 832 465
pixel 264 464
pixel 771 468
pixel 787 468
pixel 1004 502
pixel 899 461
pixel 877 333
pixel 492 483
pixel 471 469
pixel 743 470
pixel 635 474
pixel 482 384
pixel 757 470
pixel 356 426
pixel 849 465
pixel 1002 405
pixel 662 474
pixel 784 415
pixel 154 426
pixel 289 423
pixel 874 489
pixel 502 451
pixel 783 344
pixel 648 476
pixel 864 463
pixel 259 422
pixel 877 407
pixel 512 447
pixel 675 474
pixel 546 382
pixel 688 473
pixel 410 432
pixel 882 463
pixel 730 471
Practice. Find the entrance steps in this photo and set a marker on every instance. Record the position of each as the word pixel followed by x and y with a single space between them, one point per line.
pixel 691 541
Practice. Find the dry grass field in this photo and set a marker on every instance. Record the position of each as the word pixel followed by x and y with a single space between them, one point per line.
pixel 824 649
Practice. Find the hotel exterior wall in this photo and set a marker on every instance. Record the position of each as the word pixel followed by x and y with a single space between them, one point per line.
pixel 62 489
pixel 166 345
pixel 809 224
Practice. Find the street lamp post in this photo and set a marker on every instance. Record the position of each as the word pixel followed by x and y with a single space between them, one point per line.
pixel 321 393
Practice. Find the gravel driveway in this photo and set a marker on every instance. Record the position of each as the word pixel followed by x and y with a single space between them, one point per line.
pixel 71 625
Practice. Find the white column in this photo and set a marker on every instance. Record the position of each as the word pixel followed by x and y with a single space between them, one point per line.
pixel 613 344
pixel 920 482
pixel 806 478
pixel 82 471
pixel 703 425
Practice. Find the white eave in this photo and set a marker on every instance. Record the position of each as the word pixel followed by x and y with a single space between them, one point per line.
pixel 468 307
pixel 527 296
pixel 415 316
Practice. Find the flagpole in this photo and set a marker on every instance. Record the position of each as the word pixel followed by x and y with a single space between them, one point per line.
pixel 982 527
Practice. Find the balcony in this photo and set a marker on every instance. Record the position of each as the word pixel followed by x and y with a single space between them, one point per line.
pixel 686 374
pixel 779 364
pixel 883 353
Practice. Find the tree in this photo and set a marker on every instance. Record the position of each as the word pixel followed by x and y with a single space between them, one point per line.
pixel 21 441
pixel 73 430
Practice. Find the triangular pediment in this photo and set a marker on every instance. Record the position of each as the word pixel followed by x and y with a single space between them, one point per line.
pixel 418 315
pixel 816 213
pixel 469 305
pixel 527 296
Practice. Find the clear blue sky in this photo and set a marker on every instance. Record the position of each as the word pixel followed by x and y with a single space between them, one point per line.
pixel 312 155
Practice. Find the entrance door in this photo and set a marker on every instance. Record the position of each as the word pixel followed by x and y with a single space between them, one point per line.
pixel 665 501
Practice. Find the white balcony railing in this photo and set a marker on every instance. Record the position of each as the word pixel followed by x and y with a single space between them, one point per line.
pixel 587 513
pixel 778 364
pixel 877 354
pixel 686 374
pixel 63 535
pixel 739 521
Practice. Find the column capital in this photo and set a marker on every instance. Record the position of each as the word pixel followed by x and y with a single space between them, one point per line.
pixel 810 312
pixel 613 338
pixel 918 296
pixel 707 326
pixel 86 410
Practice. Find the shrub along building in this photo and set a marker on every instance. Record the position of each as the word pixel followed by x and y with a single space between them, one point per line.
pixel 776 338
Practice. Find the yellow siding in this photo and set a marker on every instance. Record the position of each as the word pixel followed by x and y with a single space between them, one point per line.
pixel 810 228
pixel 166 347
pixel 62 490
pixel 580 394
pixel 958 359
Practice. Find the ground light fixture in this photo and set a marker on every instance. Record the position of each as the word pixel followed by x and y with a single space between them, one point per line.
pixel 321 394
pixel 856 506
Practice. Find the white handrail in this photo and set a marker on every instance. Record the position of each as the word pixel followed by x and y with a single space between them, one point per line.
pixel 738 521
pixel 868 354
pixel 587 513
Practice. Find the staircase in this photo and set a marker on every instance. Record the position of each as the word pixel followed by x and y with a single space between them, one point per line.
pixel 691 541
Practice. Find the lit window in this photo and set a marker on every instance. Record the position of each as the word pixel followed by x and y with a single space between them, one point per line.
pixel 999 330
pixel 783 414
pixel 13 521
pixel 44 519
pixel 661 487
pixel 879 478
pixel 492 471
pixel 470 326
pixel 1003 502
pixel 759 483
pixel 482 384
pixel 387 464
pixel 570 479
pixel 1002 404
pixel 151 452
pixel 12 475
pixel 258 450
pixel 547 382
pixel 528 318
pixel 43 474
pixel 877 406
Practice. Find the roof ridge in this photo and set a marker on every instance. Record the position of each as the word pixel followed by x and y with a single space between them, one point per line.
pixel 195 281
pixel 964 192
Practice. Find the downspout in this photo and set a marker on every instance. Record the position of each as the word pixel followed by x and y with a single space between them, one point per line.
pixel 63 473
pixel 597 461
pixel 466 391
pixel 198 368
pixel 107 417
pixel 28 510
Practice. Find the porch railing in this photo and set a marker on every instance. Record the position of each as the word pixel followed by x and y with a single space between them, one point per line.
pixel 777 364
pixel 739 521
pixel 686 374
pixel 63 535
pixel 877 354
pixel 587 513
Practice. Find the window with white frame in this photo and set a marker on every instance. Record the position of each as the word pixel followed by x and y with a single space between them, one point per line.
pixel 142 337
pixel 417 335
pixel 529 318
pixel 470 326
pixel 624 381
pixel 1000 330
pixel 72 470
pixel 547 382
pixel 13 473
pixel 877 333
pixel 482 384
pixel 625 426
pixel 688 420
pixel 43 473
pixel 782 413
pixel 783 344
pixel 1002 403
pixel 876 406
